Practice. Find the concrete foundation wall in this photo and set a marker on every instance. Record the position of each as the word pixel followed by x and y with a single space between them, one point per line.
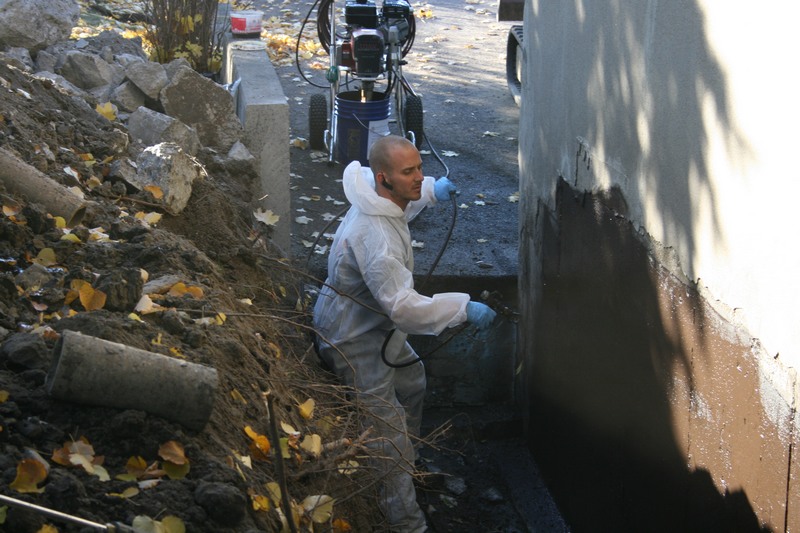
pixel 657 271
pixel 469 367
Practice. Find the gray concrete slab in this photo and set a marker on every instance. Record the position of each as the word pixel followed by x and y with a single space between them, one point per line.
pixel 264 112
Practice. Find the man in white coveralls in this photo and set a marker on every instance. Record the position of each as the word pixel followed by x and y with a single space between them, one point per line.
pixel 369 293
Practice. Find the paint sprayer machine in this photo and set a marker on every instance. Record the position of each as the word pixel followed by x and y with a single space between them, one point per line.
pixel 368 49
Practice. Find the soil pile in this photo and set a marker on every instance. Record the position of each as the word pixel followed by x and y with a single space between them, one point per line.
pixel 216 296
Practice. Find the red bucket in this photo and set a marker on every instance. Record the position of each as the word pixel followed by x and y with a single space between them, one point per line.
pixel 246 22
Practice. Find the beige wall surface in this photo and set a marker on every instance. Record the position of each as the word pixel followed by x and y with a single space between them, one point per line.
pixel 679 118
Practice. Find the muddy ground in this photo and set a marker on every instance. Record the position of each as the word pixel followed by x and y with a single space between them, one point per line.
pixel 246 315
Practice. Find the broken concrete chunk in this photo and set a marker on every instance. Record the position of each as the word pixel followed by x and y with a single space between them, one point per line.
pixel 151 128
pixel 26 350
pixel 127 96
pixel 204 105
pixel 36 24
pixel 89 71
pixel 60 82
pixel 123 288
pixel 165 165
pixel 161 285
pixel 124 170
pixel 239 160
pixel 239 152
pixel 125 60
pixel 175 65
pixel 148 76
pixel 223 503
pixel 102 93
pixel 22 55
pixel 33 277
pixel 46 61
pixel 113 43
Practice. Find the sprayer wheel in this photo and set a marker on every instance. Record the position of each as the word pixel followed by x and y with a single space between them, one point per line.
pixel 317 121
pixel 413 118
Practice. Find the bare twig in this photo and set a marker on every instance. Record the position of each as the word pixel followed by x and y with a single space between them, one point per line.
pixel 279 466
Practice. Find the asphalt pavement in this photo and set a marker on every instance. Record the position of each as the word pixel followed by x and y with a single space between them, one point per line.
pixel 457 67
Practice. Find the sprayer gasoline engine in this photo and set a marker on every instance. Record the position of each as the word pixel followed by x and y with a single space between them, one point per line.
pixel 370 49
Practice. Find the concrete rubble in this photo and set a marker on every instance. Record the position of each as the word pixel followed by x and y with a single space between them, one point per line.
pixel 35 24
pixel 165 165
pixel 151 127
pixel 177 119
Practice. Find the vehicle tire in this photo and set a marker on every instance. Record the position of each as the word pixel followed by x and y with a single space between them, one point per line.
pixel 515 62
pixel 413 118
pixel 317 121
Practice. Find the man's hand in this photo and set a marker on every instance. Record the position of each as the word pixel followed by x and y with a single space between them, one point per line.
pixel 480 314
pixel 442 188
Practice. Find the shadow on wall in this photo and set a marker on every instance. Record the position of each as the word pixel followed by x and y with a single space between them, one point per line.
pixel 638 80
pixel 636 404
pixel 605 392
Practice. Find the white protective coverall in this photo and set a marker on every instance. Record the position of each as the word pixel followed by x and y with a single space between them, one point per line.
pixel 371 261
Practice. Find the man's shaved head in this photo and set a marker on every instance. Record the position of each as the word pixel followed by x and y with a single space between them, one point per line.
pixel 379 156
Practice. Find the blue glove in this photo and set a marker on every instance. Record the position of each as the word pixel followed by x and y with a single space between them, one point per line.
pixel 442 189
pixel 480 314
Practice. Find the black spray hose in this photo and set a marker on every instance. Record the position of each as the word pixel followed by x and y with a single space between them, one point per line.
pixel 297 46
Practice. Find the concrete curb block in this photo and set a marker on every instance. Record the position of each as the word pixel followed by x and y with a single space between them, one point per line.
pixel 263 110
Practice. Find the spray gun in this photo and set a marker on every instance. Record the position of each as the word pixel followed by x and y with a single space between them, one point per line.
pixel 495 300
pixel 114 527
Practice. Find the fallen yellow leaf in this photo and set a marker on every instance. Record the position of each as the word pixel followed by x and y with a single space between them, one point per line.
pixel 135 468
pixel 46 257
pixel 30 473
pixel 260 502
pixel 92 299
pixel 146 305
pixel 274 491
pixel 235 394
pixel 130 492
pixel 307 408
pixel 267 217
pixel 348 467
pixel 312 444
pixel 173 524
pixel 318 507
pixel 259 444
pixel 175 471
pixel 289 429
pixel 340 525
pixel 181 289
pixel 108 110
pixel 173 452
pixel 155 191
